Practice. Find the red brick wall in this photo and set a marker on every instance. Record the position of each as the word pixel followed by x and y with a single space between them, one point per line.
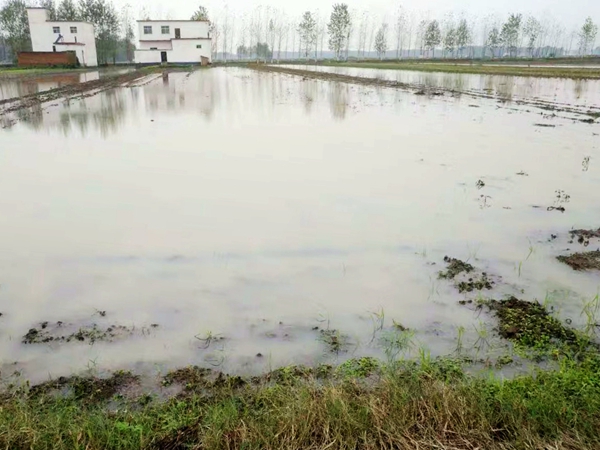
pixel 37 59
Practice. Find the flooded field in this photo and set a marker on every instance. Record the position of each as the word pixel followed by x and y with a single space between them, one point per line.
pixel 561 91
pixel 17 87
pixel 246 220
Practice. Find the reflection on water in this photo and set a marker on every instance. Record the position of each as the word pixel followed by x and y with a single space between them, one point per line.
pixel 258 206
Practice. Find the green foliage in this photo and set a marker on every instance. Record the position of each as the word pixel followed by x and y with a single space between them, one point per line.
pixel 511 32
pixel 433 36
pixel 14 26
pixel 106 22
pixel 67 11
pixel 200 14
pixel 359 367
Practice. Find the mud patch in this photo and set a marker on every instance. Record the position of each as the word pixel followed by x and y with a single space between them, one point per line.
pixel 582 261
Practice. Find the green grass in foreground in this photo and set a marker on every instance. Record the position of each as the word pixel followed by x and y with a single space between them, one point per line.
pixel 425 404
pixel 429 405
pixel 497 69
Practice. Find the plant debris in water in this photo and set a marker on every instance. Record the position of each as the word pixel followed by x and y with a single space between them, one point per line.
pixel 455 267
pixel 335 341
pixel 582 261
pixel 47 333
pixel 477 283
pixel 584 236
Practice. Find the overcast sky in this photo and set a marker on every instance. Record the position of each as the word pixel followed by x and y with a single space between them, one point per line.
pixel 568 12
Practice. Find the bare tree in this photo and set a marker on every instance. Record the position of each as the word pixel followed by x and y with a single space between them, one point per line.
pixel 400 26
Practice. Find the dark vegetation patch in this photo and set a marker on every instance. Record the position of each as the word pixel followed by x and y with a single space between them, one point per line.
pixel 582 261
pixel 455 267
pixel 477 283
pixel 88 390
pixel 470 281
pixel 531 325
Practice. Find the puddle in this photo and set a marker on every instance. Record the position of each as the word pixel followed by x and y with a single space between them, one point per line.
pixel 298 220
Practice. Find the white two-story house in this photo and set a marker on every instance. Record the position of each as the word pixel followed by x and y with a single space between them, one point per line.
pixel 58 36
pixel 173 41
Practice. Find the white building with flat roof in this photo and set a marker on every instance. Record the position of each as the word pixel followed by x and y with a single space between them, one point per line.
pixel 59 36
pixel 173 41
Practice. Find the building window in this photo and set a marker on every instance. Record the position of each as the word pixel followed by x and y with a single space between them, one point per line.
pixel 165 30
pixel 147 30
pixel 74 30
pixel 153 48
pixel 56 30
pixel 199 46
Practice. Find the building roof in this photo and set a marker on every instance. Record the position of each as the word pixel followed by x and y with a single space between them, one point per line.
pixel 187 21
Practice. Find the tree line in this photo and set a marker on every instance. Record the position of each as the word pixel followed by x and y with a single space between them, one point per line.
pixel 344 32
pixel 114 29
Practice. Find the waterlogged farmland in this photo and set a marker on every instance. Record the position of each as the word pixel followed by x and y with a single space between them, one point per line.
pixel 242 220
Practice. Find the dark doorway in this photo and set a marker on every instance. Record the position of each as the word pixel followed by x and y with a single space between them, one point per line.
pixel 163 57
pixel 54 48
pixel 177 33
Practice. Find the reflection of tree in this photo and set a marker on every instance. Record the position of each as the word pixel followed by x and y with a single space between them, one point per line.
pixel 338 100
pixel 579 88
pixel 309 94
pixel 181 92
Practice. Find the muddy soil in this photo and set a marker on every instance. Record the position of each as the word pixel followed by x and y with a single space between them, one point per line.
pixel 582 261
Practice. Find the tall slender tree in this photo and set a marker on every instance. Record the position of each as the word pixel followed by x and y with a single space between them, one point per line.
pixel 433 36
pixel 339 29
pixel 308 33
pixel 14 26
pixel 381 44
